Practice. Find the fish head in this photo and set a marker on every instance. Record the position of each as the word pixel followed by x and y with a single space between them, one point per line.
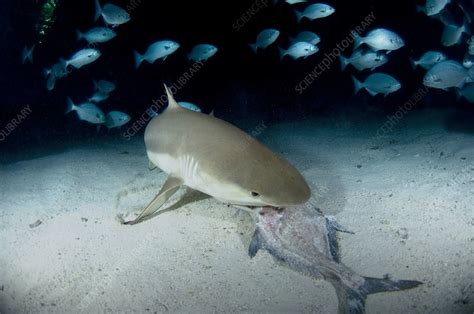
pixel 396 42
pixel 170 46
pixel 380 57
pixel 432 80
pixel 326 10
pixel 99 117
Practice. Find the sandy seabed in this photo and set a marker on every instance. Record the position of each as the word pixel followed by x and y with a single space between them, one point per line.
pixel 408 196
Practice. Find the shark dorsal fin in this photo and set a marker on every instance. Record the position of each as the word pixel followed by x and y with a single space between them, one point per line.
pixel 172 104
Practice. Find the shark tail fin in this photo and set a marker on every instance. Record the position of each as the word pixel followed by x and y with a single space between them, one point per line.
pixel 352 297
pixel 171 101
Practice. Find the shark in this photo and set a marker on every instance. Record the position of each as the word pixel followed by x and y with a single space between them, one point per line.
pixel 215 157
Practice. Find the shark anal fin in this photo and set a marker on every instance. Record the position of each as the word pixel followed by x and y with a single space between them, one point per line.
pixel 170 187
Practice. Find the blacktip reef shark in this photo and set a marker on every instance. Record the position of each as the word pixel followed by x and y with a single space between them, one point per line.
pixel 214 157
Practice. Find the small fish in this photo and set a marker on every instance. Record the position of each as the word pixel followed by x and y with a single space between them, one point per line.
pixel 112 14
pixel 98 97
pixel 97 35
pixel 158 50
pixel 202 52
pixel 433 7
pixel 362 60
pixel 452 34
pixel 467 92
pixel 305 241
pixel 57 70
pixel 295 1
pixel 315 11
pixel 470 42
pixel 265 38
pixel 189 106
pixel 308 37
pixel 447 74
pixel 377 83
pixel 27 54
pixel 83 57
pixel 429 59
pixel 298 50
pixel 379 39
pixel 87 112
pixel 104 86
pixel 116 119
pixel 468 60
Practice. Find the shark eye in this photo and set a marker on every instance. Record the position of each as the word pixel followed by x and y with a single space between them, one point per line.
pixel 255 194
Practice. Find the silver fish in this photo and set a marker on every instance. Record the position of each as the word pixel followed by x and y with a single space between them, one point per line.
pixel 27 54
pixel 57 71
pixel 304 240
pixel 158 50
pixel 308 37
pixel 433 7
pixel 315 11
pixel 112 14
pixel 378 83
pixel 379 39
pixel 83 57
pixel 115 119
pixel 452 34
pixel 189 106
pixel 429 59
pixel 265 38
pixel 87 112
pixel 202 52
pixel 468 60
pixel 299 50
pixel 97 35
pixel 104 86
pixel 98 97
pixel 362 60
pixel 447 74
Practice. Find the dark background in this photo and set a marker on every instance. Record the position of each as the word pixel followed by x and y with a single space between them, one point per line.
pixel 238 84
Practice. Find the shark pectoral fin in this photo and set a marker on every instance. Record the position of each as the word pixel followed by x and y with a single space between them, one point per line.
pixel 170 187
pixel 152 166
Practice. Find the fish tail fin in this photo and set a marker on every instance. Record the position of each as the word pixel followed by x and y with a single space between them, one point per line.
pixel 79 35
pixel 413 63
pixel 344 62
pixel 458 94
pixel 299 16
pixel 27 54
pixel 352 296
pixel 282 53
pixel 46 72
pixel 357 85
pixel 70 106
pixel 98 10
pixel 420 8
pixel 358 40
pixel 138 59
pixel 253 47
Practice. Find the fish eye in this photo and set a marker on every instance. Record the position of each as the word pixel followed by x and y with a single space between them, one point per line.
pixel 254 194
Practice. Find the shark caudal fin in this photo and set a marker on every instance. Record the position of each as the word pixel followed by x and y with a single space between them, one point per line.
pixel 352 298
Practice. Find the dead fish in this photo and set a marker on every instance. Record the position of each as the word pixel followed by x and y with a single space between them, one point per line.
pixel 305 241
